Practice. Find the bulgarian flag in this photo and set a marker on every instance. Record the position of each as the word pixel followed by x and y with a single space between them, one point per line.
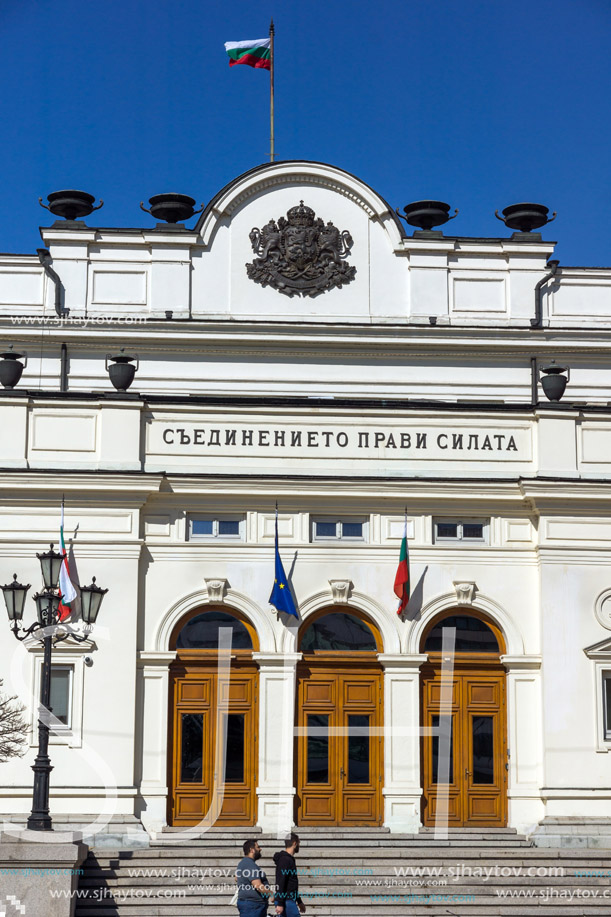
pixel 67 591
pixel 255 53
pixel 401 587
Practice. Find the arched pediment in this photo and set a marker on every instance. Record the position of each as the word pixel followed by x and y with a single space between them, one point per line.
pixel 296 173
pixel 299 241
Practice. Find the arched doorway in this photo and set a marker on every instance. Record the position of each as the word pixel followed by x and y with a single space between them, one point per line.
pixel 206 718
pixel 339 718
pixel 474 780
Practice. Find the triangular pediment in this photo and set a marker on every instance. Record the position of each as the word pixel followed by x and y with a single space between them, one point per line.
pixel 600 650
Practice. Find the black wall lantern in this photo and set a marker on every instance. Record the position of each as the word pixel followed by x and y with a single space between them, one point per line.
pixel 91 599
pixel 121 370
pixel 14 596
pixel 10 367
pixel 426 214
pixel 50 565
pixel 552 380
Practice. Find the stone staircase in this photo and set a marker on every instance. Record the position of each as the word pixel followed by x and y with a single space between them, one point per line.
pixel 354 873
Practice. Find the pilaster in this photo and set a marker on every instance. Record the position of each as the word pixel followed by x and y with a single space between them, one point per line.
pixel 154 672
pixel 277 681
pixel 402 785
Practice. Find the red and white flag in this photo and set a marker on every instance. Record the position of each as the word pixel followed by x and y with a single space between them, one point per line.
pixel 402 583
pixel 67 591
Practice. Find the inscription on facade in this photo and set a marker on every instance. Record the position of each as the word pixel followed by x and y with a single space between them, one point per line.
pixel 307 440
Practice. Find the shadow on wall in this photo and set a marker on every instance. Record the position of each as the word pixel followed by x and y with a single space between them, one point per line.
pixel 414 606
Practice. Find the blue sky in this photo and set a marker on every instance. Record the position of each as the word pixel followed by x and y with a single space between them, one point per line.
pixel 480 104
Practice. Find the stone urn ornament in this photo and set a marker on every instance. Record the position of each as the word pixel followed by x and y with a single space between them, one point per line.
pixel 71 205
pixel 121 369
pixel 171 207
pixel 11 369
pixel 553 381
pixel 525 217
pixel 426 214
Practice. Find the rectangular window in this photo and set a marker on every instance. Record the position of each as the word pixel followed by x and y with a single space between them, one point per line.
pixel 607 705
pixel 482 765
pixel 358 748
pixel 61 693
pixel 225 527
pixel 468 531
pixel 440 767
pixel 318 748
pixel 234 753
pixel 327 528
pixel 191 747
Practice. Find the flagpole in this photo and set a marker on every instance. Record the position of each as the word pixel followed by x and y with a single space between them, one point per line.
pixel 271 91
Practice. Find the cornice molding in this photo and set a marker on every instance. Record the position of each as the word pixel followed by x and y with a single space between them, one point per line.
pixel 297 178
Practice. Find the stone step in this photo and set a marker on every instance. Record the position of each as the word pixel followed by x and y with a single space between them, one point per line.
pixel 532 856
pixel 336 894
pixel 307 843
pixel 225 848
pixel 347 832
pixel 385 884
pixel 498 839
pixel 320 856
pixel 387 908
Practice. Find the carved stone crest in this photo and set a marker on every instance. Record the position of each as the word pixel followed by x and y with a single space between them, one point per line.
pixel 301 254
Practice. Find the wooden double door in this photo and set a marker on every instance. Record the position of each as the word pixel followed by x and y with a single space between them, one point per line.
pixel 213 735
pixel 475 793
pixel 339 744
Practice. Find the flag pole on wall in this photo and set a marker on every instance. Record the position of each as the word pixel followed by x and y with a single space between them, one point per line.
pixel 271 91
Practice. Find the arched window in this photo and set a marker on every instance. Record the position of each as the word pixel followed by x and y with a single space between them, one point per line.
pixel 202 632
pixel 338 631
pixel 472 635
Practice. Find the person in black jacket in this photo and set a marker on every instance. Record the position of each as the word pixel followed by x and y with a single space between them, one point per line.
pixel 288 902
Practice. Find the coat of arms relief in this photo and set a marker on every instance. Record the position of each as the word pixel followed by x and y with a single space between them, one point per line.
pixel 300 254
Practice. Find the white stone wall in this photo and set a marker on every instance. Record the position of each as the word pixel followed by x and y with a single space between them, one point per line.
pixel 133 468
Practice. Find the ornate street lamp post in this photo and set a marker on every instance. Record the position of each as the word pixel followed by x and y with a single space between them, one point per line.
pixel 49 631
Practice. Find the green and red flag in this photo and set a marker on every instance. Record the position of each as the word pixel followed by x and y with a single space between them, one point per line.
pixel 67 591
pixel 256 53
pixel 401 587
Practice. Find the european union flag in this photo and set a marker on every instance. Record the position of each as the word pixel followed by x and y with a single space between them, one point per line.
pixel 281 597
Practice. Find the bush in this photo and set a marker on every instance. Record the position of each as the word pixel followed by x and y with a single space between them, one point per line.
pixel 13 728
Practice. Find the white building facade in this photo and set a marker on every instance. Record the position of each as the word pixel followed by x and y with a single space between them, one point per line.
pixel 404 386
